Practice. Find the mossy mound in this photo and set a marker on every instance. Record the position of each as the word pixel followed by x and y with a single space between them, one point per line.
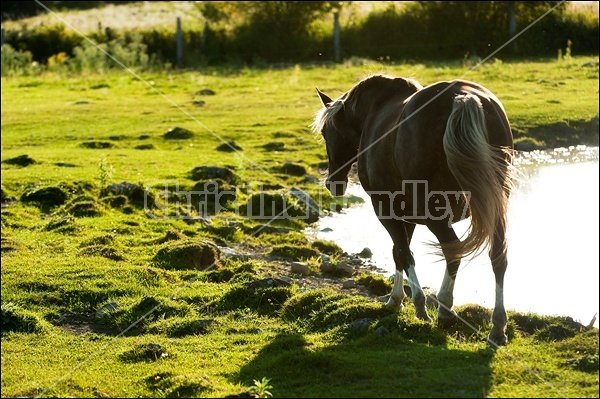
pixel 8 245
pixel 277 206
pixel 266 297
pixel 135 193
pixel 178 133
pixel 177 386
pixel 94 144
pixel 104 239
pixel 147 352
pixel 116 201
pixel 177 327
pixel 144 311
pixel 45 196
pixel 212 197
pixel 145 147
pixel 21 160
pixel 190 254
pixel 243 272
pixel 323 309
pixel 376 284
pixel 171 235
pixel 229 146
pixel 5 195
pixel 292 169
pixel 274 146
pixel 17 319
pixel 546 328
pixel 327 247
pixel 104 251
pixel 83 206
pixel 217 173
pixel 62 224
pixel 293 252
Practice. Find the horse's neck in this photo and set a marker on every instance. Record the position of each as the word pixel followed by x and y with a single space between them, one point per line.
pixel 379 126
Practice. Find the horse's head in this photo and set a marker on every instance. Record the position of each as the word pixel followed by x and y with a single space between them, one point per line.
pixel 341 141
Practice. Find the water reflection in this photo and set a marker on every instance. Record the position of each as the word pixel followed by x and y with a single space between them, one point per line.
pixel 553 239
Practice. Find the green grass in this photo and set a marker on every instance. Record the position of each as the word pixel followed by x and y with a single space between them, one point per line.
pixel 213 333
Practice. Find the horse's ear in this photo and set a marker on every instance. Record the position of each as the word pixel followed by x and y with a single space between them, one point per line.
pixel 324 98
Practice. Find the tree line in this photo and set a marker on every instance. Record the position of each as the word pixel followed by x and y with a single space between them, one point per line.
pixel 299 31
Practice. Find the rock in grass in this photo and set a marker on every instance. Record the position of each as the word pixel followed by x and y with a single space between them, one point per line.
pixel 300 268
pixel 360 326
pixel 382 332
pixel 348 284
pixel 365 253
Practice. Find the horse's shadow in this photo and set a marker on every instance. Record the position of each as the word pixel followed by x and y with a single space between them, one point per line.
pixel 370 365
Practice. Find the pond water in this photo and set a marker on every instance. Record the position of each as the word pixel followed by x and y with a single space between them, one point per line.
pixel 552 239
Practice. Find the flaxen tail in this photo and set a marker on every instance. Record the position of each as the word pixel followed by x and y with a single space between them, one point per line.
pixel 483 172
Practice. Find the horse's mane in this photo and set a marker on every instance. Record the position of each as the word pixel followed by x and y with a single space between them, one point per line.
pixel 382 82
pixel 327 113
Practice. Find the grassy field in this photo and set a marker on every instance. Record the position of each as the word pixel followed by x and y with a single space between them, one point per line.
pixel 104 295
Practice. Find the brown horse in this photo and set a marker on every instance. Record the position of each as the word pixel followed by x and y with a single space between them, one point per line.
pixel 433 156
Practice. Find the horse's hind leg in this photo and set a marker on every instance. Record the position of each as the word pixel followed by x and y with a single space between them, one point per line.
pixel 401 233
pixel 446 235
pixel 499 263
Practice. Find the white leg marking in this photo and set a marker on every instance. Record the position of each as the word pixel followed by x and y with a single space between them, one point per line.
pixel 499 319
pixel 446 300
pixel 499 297
pixel 397 295
pixel 446 293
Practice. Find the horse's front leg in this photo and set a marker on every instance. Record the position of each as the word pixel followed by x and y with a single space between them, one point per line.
pixel 401 233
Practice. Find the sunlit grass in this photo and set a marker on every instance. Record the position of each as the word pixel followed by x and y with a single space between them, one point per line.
pixel 212 335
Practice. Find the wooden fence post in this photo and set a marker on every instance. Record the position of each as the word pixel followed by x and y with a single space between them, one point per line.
pixel 512 25
pixel 336 36
pixel 204 34
pixel 179 40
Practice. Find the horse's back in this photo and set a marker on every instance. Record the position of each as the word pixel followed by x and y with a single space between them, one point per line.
pixel 431 106
pixel 419 142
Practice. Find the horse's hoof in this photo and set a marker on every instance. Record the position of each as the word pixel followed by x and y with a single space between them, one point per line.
pixel 383 298
pixel 497 339
pixel 391 302
pixel 424 316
